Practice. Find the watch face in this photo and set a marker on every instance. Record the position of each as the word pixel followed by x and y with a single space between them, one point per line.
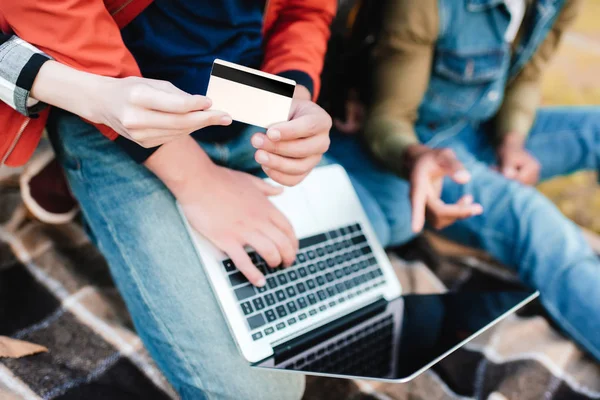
pixel 399 339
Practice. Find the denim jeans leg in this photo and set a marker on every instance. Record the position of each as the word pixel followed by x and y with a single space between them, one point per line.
pixel 565 140
pixel 139 231
pixel 524 230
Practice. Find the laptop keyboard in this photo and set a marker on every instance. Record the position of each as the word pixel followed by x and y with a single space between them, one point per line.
pixel 330 268
pixel 364 352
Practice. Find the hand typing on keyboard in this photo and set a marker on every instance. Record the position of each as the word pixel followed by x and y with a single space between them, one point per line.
pixel 237 213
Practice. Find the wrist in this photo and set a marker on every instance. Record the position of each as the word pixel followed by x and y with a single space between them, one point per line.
pixel 514 140
pixel 183 167
pixel 67 88
pixel 411 154
pixel 302 93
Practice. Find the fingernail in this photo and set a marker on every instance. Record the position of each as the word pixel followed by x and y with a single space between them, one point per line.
pixel 261 282
pixel 258 141
pixel 208 102
pixel 226 120
pixel 462 175
pixel 262 157
pixel 477 210
pixel 274 134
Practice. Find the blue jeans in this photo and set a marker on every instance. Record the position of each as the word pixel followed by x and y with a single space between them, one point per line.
pixel 134 222
pixel 519 226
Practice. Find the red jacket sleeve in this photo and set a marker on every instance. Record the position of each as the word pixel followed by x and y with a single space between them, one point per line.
pixel 295 37
pixel 78 33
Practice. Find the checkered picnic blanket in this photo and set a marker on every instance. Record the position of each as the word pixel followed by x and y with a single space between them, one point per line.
pixel 56 291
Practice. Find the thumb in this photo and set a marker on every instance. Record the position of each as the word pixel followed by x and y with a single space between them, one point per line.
pixel 266 188
pixel 453 168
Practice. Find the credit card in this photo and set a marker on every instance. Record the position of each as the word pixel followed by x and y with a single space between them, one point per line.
pixel 249 95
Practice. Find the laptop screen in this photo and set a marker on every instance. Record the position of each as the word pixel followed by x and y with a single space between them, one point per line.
pixel 396 340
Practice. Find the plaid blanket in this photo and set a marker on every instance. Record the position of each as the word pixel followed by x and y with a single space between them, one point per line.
pixel 56 291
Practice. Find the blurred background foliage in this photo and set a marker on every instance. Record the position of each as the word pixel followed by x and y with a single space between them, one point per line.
pixel 573 78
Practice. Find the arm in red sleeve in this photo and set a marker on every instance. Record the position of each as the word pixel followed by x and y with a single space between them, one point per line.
pixel 295 39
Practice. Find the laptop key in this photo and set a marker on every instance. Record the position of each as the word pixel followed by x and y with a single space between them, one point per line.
pixel 247 308
pixel 339 273
pixel 237 279
pixel 301 258
pixel 312 299
pixel 269 330
pixel 312 312
pixel 329 277
pixel 258 304
pixel 282 279
pixel 330 262
pixel 356 253
pixel 320 280
pixel 271 282
pixel 312 269
pixel 322 295
pixel 281 311
pixel 270 299
pixel 311 284
pixel 280 326
pixel 347 271
pixel 322 308
pixel 322 266
pixel 229 266
pixel 330 292
pixel 339 259
pixel 280 295
pixel 293 275
pixel 256 321
pixel 292 307
pixel 311 254
pixel 359 239
pixel 329 248
pixel 340 287
pixel 291 292
pixel 302 302
pixel 291 321
pixel 302 272
pixel 312 240
pixel 261 289
pixel 301 287
pixel 244 292
pixel 270 314
pixel 257 335
pixel 320 251
pixel 302 316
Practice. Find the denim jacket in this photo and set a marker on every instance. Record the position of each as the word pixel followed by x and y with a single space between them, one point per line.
pixel 473 63
pixel 441 64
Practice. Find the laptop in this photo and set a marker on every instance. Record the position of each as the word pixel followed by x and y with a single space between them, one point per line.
pixel 339 309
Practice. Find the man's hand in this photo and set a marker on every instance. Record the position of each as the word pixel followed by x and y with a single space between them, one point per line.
pixel 290 150
pixel 427 168
pixel 147 111
pixel 515 162
pixel 230 208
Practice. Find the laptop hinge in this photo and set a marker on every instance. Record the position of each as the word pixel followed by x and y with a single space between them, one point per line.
pixel 297 345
